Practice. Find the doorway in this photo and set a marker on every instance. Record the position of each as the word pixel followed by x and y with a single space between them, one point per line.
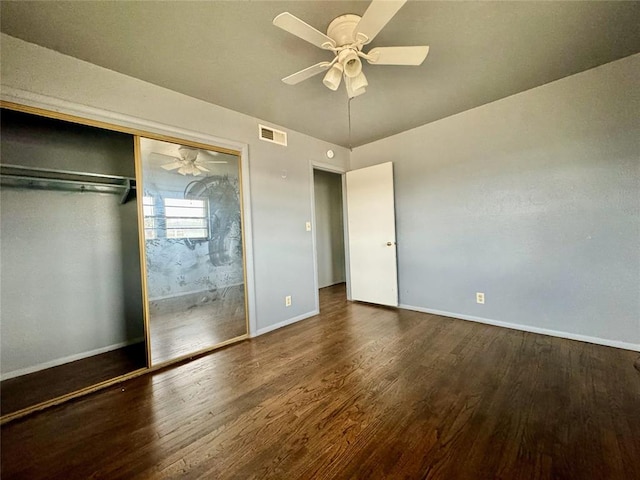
pixel 329 233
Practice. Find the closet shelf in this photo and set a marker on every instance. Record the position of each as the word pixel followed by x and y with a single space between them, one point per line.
pixel 53 179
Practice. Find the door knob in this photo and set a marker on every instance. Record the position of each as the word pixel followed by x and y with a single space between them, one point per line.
pixel 389 244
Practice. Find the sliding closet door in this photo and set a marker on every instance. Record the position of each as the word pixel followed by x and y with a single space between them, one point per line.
pixel 194 269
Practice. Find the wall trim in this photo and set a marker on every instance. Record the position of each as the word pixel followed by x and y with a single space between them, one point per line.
pixel 314 240
pixel 527 328
pixel 194 292
pixel 284 323
pixel 70 358
pixel 53 104
pixel 327 167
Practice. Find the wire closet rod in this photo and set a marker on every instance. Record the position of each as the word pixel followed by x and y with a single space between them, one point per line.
pixel 56 179
pixel 62 172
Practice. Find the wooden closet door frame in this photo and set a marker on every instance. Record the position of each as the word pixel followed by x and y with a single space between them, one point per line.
pixel 143 255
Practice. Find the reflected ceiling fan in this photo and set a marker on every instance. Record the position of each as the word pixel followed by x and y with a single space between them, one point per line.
pixel 190 161
pixel 346 36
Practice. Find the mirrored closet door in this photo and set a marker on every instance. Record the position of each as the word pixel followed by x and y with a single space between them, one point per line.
pixel 194 262
pixel 71 284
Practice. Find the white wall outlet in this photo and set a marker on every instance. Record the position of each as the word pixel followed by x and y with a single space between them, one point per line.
pixel 480 297
pixel 287 301
pixel 308 226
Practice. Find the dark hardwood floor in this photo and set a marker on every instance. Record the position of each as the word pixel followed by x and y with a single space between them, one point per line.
pixel 28 390
pixel 359 392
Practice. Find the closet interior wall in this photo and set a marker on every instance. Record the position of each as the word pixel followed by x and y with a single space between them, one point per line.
pixel 70 278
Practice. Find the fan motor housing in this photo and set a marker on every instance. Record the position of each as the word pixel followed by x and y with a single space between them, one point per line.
pixel 341 28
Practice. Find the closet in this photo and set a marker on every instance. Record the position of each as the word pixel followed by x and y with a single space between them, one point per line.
pixel 91 218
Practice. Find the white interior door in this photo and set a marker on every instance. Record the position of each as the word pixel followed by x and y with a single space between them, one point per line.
pixel 372 235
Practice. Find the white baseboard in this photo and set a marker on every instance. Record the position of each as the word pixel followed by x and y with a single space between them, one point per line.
pixel 526 328
pixel 194 292
pixel 284 323
pixel 67 359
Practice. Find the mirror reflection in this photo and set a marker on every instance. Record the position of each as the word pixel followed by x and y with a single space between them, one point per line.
pixel 193 248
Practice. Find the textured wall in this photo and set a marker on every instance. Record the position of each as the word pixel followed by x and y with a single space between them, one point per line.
pixel 329 227
pixel 533 200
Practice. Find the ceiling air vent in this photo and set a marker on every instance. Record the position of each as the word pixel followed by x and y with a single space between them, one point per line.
pixel 272 135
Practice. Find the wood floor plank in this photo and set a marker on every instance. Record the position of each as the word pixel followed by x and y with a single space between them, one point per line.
pixel 358 391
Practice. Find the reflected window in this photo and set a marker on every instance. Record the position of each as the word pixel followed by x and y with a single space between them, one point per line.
pixel 186 218
pixel 150 223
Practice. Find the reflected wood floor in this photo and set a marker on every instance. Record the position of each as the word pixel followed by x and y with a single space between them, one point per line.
pixel 176 332
pixel 28 390
pixel 359 392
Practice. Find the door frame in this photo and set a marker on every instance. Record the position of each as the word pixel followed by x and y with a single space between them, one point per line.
pixel 327 167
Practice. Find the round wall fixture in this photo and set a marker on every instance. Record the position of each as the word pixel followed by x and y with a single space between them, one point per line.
pixel 330 153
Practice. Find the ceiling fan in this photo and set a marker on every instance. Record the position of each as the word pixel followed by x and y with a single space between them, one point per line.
pixel 190 161
pixel 346 36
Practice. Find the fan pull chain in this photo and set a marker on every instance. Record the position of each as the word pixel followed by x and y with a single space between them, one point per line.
pixel 349 113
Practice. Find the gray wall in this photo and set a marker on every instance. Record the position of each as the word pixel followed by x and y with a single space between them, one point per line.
pixel 34 141
pixel 280 180
pixel 70 266
pixel 329 227
pixel 468 217
pixel 533 200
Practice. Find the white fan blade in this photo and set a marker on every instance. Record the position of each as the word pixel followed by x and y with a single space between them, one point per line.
pixel 297 27
pixel 172 166
pixel 211 153
pixel 209 156
pixel 375 18
pixel 306 73
pixel 183 170
pixel 397 55
pixel 200 167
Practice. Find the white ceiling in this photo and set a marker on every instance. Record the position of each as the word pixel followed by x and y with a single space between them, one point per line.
pixel 229 53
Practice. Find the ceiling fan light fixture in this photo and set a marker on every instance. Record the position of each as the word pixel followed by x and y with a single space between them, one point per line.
pixel 353 92
pixel 350 62
pixel 359 82
pixel 188 153
pixel 357 93
pixel 333 77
